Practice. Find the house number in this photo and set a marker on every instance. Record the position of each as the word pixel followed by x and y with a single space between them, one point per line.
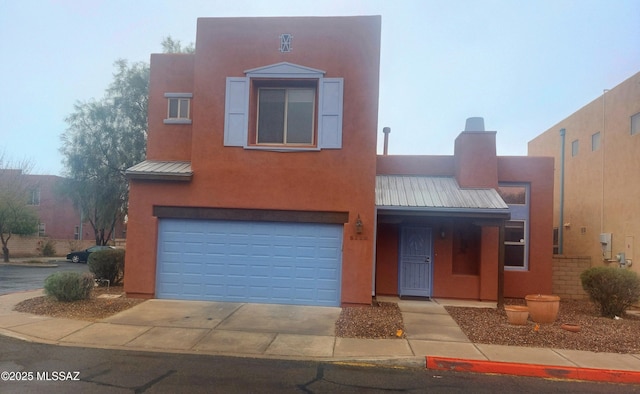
pixel 359 238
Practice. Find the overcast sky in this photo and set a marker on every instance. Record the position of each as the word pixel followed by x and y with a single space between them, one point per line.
pixel 522 65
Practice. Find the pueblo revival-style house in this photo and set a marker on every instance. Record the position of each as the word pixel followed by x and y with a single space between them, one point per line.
pixel 262 183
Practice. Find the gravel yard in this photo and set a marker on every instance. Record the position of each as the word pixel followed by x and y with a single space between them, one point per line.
pixel 384 320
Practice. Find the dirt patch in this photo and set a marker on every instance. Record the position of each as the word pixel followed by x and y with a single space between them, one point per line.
pixel 381 320
pixel 597 334
pixel 93 309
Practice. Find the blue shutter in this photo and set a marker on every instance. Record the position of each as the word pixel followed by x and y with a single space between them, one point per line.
pixel 330 113
pixel 236 122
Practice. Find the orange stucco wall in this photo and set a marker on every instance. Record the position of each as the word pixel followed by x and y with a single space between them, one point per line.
pixel 171 73
pixel 538 172
pixel 232 177
pixel 463 266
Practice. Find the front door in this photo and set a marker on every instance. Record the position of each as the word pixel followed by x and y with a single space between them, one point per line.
pixel 415 262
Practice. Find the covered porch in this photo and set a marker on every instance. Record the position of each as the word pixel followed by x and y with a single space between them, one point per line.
pixel 436 239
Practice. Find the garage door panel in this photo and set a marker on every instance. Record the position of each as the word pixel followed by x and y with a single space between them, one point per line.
pixel 292 263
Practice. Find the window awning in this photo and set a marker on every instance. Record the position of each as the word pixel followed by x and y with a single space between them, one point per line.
pixel 436 196
pixel 161 170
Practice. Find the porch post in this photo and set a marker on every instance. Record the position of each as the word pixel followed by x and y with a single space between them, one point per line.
pixel 501 264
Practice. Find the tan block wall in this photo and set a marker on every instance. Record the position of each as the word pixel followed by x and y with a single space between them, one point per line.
pixel 601 183
pixel 566 276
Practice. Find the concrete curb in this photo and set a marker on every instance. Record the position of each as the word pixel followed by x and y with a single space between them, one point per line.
pixel 532 370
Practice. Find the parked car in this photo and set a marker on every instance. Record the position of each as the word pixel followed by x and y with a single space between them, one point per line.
pixel 82 256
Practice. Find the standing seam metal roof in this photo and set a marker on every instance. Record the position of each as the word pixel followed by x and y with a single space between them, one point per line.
pixel 150 169
pixel 404 191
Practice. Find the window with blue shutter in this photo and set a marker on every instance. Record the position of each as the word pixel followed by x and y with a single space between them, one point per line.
pixel 283 107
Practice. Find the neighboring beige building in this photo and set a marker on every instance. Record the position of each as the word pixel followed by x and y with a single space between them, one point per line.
pixel 597 212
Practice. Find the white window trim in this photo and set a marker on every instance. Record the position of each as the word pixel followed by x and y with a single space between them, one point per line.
pixel 178 96
pixel 523 215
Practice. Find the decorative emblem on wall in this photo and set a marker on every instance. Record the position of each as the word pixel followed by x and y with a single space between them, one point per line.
pixel 285 42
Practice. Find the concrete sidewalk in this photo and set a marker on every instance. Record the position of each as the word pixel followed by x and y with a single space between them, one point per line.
pixel 433 339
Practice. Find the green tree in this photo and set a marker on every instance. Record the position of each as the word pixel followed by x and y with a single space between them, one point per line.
pixel 16 216
pixel 169 45
pixel 103 139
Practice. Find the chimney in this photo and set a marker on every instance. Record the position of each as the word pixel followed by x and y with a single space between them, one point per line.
pixel 386 132
pixel 474 124
pixel 475 156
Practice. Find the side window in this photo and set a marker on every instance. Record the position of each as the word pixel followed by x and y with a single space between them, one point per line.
pixel 282 107
pixel 178 108
pixel 635 124
pixel 595 141
pixel 575 146
pixel 516 240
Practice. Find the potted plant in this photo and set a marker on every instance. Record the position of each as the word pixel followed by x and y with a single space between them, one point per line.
pixel 517 314
pixel 543 308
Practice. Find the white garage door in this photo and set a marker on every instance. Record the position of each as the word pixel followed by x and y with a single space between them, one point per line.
pixel 261 262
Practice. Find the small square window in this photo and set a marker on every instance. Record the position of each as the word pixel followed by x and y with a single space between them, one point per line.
pixel 575 148
pixel 595 142
pixel 635 124
pixel 178 108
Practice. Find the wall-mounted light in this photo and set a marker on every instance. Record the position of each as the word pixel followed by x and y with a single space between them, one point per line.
pixel 358 225
pixel 442 233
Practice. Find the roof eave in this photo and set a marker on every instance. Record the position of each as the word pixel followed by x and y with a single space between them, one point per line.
pixel 154 176
pixel 492 213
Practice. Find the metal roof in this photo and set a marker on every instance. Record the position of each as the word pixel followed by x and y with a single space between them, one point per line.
pixel 161 170
pixel 436 194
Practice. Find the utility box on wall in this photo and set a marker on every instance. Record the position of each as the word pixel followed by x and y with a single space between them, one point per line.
pixel 605 243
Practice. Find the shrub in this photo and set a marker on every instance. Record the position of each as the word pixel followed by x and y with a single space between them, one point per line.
pixel 69 286
pixel 49 248
pixel 613 289
pixel 108 264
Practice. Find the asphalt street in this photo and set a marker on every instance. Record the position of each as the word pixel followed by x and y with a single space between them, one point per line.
pixel 35 368
pixel 15 278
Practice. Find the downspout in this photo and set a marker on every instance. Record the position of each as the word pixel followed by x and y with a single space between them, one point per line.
pixel 561 224
pixel 501 265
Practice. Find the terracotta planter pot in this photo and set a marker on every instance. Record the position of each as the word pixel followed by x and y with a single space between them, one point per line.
pixel 517 314
pixel 543 309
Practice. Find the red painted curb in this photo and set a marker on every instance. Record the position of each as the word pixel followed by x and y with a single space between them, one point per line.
pixel 533 370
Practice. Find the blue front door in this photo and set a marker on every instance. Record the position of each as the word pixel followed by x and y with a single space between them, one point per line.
pixel 415 261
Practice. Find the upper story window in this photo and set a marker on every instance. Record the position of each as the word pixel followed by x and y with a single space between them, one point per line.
pixel 34 197
pixel 595 141
pixel 286 115
pixel 178 108
pixel 575 147
pixel 284 107
pixel 635 124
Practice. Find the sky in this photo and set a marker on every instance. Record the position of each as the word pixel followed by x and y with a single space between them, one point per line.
pixel 522 65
